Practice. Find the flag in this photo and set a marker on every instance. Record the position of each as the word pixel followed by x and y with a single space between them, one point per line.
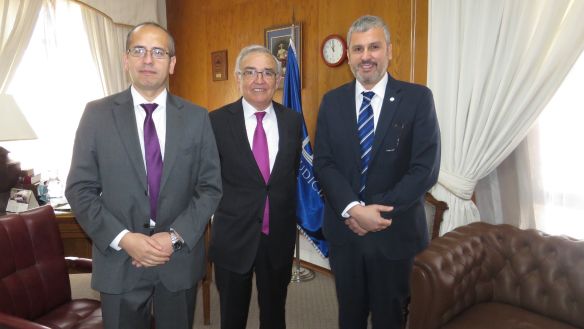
pixel 309 209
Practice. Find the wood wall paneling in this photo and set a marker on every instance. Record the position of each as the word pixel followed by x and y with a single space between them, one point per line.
pixel 420 46
pixel 192 71
pixel 201 27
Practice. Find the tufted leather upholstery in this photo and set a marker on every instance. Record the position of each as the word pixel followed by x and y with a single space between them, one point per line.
pixel 498 276
pixel 34 283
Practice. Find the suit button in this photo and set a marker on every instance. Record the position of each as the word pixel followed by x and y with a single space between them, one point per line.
pixel 267 187
pixel 259 220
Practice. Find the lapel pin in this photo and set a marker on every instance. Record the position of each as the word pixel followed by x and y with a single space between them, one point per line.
pixel 391 99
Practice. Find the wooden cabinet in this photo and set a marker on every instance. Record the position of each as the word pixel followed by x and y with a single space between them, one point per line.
pixel 75 241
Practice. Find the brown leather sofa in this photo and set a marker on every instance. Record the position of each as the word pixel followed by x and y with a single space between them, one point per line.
pixel 35 291
pixel 498 276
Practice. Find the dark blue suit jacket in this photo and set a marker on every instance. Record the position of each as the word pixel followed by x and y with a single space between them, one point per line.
pixel 405 163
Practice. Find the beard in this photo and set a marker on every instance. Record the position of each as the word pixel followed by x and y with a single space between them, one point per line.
pixel 371 77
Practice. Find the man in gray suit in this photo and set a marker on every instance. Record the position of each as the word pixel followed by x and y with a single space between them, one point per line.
pixel 144 180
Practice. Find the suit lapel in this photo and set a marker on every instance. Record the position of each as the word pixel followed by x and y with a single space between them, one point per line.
pixel 348 118
pixel 237 128
pixel 174 131
pixel 125 121
pixel 388 111
pixel 283 138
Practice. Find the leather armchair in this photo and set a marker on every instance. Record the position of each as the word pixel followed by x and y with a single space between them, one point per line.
pixel 35 291
pixel 498 276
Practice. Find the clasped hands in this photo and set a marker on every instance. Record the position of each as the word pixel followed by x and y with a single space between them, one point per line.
pixel 147 251
pixel 365 219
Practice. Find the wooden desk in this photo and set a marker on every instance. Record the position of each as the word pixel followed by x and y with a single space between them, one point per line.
pixel 75 241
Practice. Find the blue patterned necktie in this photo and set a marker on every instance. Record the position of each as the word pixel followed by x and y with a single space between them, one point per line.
pixel 366 136
pixel 153 158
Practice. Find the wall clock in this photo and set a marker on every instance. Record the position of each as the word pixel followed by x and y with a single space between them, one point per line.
pixel 333 50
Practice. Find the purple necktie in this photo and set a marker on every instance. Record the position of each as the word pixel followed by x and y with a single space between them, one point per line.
pixel 262 157
pixel 153 158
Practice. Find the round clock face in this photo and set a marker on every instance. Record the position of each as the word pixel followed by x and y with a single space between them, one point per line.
pixel 334 50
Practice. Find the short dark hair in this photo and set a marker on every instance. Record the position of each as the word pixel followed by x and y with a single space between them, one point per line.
pixel 171 50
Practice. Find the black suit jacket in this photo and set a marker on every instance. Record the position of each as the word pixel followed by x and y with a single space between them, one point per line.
pixel 237 223
pixel 404 164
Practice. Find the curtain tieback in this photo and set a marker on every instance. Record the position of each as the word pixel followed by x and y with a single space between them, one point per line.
pixel 460 186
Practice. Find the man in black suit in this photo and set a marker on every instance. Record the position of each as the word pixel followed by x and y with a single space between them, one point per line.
pixel 254 228
pixel 377 152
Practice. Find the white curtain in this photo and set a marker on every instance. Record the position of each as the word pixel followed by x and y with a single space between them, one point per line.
pixel 107 42
pixel 17 21
pixel 493 65
pixel 507 194
pixel 540 184
pixel 54 80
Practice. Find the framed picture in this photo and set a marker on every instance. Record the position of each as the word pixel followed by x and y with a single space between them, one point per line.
pixel 277 40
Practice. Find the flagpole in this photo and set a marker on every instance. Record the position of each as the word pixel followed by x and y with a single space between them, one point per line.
pixel 299 273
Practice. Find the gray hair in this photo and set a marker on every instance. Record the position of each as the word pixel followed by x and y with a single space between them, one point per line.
pixel 171 49
pixel 252 50
pixel 367 22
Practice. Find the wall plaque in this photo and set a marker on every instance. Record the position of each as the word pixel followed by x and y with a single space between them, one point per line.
pixel 219 65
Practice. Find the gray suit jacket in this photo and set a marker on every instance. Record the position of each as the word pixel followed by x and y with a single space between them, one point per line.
pixel 107 188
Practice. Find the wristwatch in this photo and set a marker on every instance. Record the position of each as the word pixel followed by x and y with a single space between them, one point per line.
pixel 176 240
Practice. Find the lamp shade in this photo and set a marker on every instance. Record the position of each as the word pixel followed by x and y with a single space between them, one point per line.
pixel 13 124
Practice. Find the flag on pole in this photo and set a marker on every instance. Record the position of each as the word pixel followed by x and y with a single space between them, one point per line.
pixel 309 209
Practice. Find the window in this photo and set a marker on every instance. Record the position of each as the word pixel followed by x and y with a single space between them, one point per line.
pixel 559 168
pixel 54 81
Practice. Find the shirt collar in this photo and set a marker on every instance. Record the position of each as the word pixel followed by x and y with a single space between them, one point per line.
pixel 378 89
pixel 139 99
pixel 249 110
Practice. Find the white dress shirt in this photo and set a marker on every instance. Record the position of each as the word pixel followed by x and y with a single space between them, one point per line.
pixel 270 123
pixel 376 103
pixel 159 118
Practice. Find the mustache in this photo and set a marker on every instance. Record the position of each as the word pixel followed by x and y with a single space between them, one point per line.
pixel 367 63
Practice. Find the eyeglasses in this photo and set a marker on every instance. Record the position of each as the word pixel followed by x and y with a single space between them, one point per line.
pixel 252 74
pixel 155 52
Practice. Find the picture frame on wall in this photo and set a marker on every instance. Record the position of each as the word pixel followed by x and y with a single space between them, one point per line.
pixel 277 40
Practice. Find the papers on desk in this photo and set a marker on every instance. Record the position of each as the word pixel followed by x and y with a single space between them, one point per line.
pixel 21 200
pixel 62 207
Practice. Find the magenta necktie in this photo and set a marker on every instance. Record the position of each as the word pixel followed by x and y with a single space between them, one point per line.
pixel 153 158
pixel 262 157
